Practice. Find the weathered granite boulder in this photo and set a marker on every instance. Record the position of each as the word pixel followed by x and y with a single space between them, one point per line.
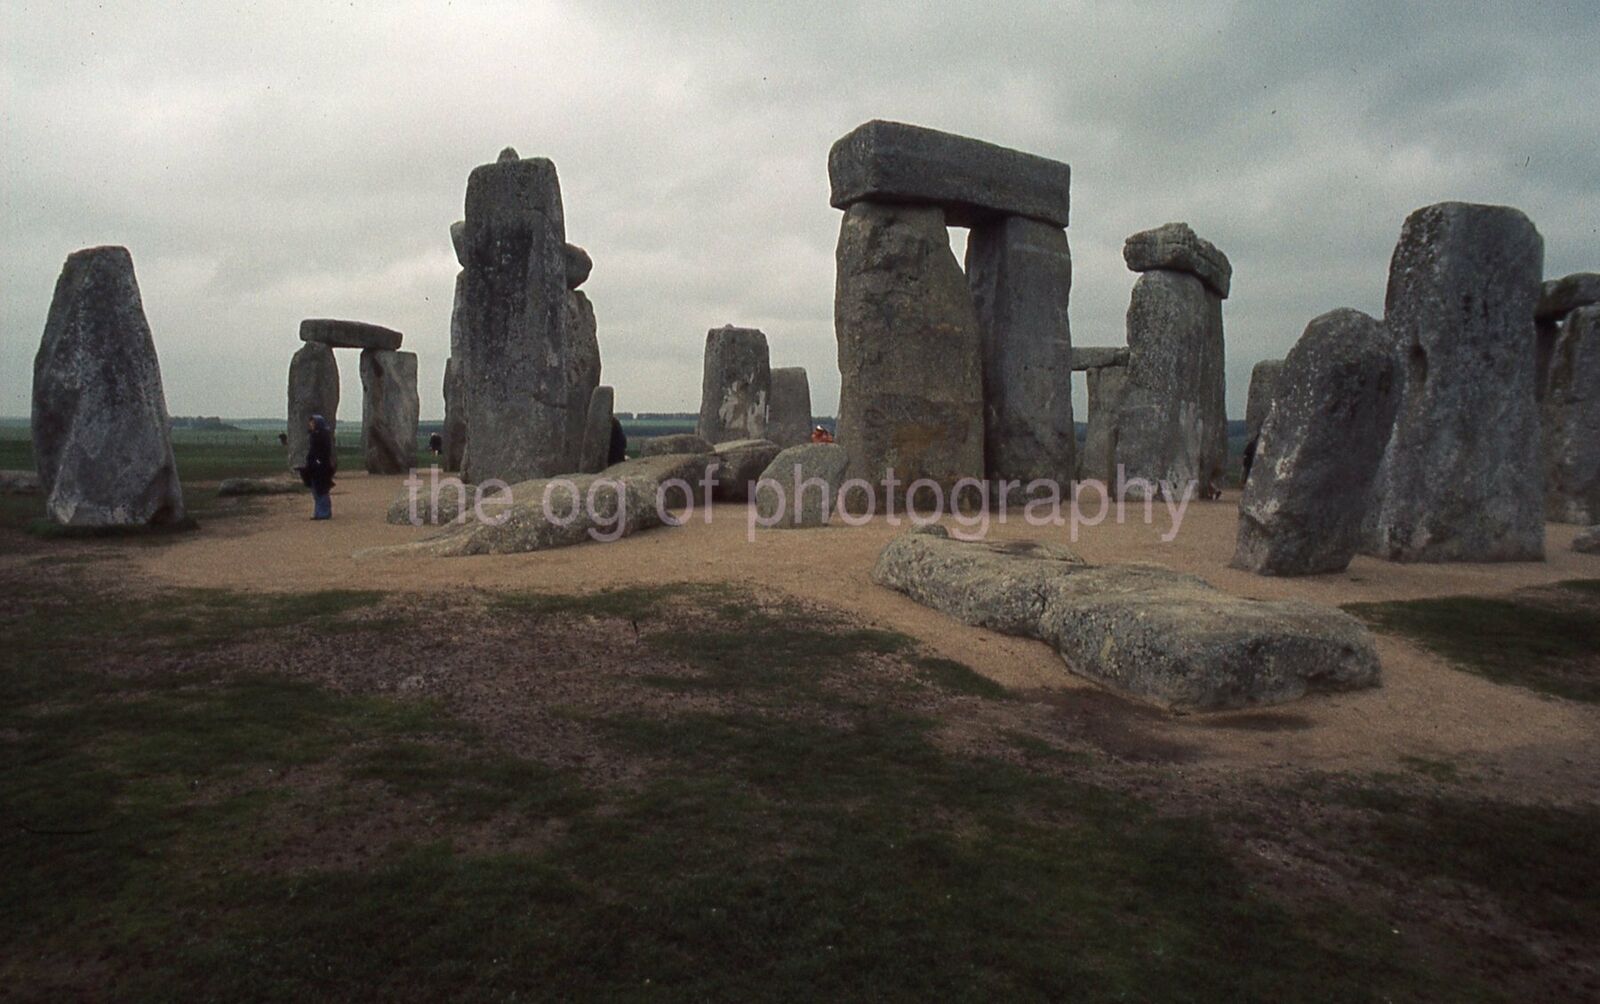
pixel 583 372
pixel 1461 478
pixel 970 180
pixel 313 390
pixel 514 321
pixel 101 439
pixel 681 442
pixel 537 515
pixel 389 410
pixel 19 483
pixel 789 493
pixel 1588 541
pixel 741 462
pixel 1141 630
pixel 1571 422
pixel 1172 425
pixel 664 467
pixel 1263 379
pixel 1175 246
pixel 1304 506
pixel 349 334
pixel 1020 274
pixel 1097 461
pixel 1560 297
pixel 233 487
pixel 736 387
pixel 579 265
pixel 789 414
pixel 597 431
pixel 910 349
pixel 1099 357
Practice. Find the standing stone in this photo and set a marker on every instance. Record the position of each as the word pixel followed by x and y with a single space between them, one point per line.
pixel 455 377
pixel 1020 274
pixel 789 418
pixel 597 431
pixel 1263 378
pixel 736 388
pixel 583 372
pixel 910 349
pixel 1098 460
pixel 519 368
pixel 1571 422
pixel 1304 506
pixel 101 438
pixel 816 471
pixel 389 408
pixel 313 390
pixel 1460 479
pixel 1560 297
pixel 1172 424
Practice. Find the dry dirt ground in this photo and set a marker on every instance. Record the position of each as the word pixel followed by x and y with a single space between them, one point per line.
pixel 1424 709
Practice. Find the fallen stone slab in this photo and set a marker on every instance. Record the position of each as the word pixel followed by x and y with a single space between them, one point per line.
pixel 1140 630
pixel 1099 357
pixel 19 483
pixel 777 505
pixel 681 442
pixel 1177 247
pixel 229 487
pixel 1588 541
pixel 741 462
pixel 539 515
pixel 969 179
pixel 349 334
pixel 1560 297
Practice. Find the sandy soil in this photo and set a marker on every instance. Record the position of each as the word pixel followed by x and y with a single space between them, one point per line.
pixel 1424 708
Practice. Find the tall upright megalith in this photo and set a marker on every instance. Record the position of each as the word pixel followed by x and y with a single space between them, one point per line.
pixel 735 386
pixel 1020 274
pixel 519 377
pixel 1172 427
pixel 789 415
pixel 583 371
pixel 1461 478
pixel 910 349
pixel 1263 384
pixel 1571 414
pixel 313 390
pixel 101 438
pixel 389 409
pixel 597 431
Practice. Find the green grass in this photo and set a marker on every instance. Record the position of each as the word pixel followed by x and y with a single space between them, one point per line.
pixel 1550 647
pixel 958 678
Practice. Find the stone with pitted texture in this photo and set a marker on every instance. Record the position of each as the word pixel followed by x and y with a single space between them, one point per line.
pixel 735 386
pixel 597 431
pixel 389 408
pixel 1560 297
pixel 1177 247
pixel 789 419
pixel 1571 422
pixel 1263 378
pixel 740 463
pixel 313 390
pixel 349 334
pixel 800 488
pixel 678 442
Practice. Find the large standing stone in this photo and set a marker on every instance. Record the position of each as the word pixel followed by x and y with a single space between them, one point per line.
pixel 910 350
pixel 1098 459
pixel 1263 380
pixel 583 376
pixel 1460 479
pixel 1560 297
pixel 891 162
pixel 389 408
pixel 349 334
pixel 313 390
pixel 800 488
pixel 1172 426
pixel 597 431
pixel 1176 247
pixel 519 367
pixel 1571 422
pixel 736 388
pixel 789 414
pixel 1020 274
pixel 101 438
pixel 456 383
pixel 1320 446
pixel 1138 629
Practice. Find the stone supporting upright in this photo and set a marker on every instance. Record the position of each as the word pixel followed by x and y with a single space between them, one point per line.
pixel 736 385
pixel 1020 274
pixel 1097 461
pixel 313 390
pixel 1461 479
pixel 1571 421
pixel 789 420
pixel 1263 382
pixel 389 410
pixel 597 431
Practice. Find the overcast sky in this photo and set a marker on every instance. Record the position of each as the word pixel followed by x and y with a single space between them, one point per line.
pixel 269 162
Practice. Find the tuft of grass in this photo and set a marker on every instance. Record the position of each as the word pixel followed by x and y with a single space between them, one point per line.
pixel 1442 771
pixel 1546 647
pixel 958 678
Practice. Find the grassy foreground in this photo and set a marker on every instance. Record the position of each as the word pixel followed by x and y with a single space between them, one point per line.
pixel 662 794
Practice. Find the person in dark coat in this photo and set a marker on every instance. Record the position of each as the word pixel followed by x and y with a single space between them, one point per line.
pixel 319 468
pixel 618 451
pixel 436 444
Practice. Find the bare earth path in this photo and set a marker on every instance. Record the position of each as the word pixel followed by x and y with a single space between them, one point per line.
pixel 1537 745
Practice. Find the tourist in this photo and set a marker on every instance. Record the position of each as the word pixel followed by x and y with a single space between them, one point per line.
pixel 617 452
pixel 319 467
pixel 821 435
pixel 436 444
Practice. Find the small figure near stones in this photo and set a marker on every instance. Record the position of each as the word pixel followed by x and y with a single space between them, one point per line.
pixel 319 467
pixel 821 435
pixel 617 452
pixel 436 444
pixel 283 439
